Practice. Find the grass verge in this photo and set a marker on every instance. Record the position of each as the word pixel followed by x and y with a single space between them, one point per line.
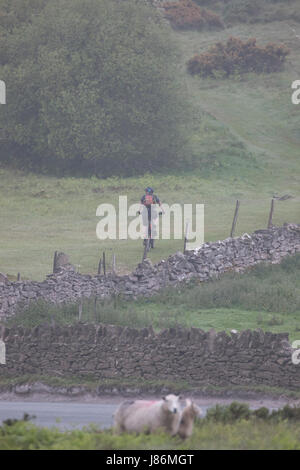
pixel 224 427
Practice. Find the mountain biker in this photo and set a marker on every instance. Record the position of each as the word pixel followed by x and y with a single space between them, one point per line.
pixel 149 200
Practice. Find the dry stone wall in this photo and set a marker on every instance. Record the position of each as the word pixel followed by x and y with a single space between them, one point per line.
pixel 193 356
pixel 210 260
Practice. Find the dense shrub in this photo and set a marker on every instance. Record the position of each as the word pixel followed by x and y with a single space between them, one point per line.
pixel 85 86
pixel 237 411
pixel 237 56
pixel 290 413
pixel 186 14
pixel 228 413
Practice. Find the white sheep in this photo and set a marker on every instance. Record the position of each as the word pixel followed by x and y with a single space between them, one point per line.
pixel 147 416
pixel 188 415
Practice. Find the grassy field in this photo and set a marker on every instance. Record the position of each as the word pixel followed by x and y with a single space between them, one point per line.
pixel 40 215
pixel 240 436
pixel 88 384
pixel 245 136
pixel 225 427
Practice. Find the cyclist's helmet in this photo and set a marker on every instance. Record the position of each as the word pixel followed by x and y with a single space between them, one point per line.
pixel 149 190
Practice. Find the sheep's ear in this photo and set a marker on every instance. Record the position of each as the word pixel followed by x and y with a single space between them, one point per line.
pixel 164 398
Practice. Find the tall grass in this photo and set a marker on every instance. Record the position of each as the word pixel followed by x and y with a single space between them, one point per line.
pixel 266 296
pixel 110 311
pixel 269 288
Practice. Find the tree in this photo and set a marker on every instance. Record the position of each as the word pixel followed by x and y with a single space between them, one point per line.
pixel 92 86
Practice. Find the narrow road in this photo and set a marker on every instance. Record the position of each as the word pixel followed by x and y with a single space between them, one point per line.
pixel 61 415
pixel 70 415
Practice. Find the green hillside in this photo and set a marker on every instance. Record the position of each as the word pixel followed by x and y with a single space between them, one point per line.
pixel 243 135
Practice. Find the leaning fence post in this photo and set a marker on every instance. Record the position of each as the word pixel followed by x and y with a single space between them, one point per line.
pixel 271 214
pixel 54 261
pixel 235 218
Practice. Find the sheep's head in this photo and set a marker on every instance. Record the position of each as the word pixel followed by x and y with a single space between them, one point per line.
pixel 171 403
pixel 192 409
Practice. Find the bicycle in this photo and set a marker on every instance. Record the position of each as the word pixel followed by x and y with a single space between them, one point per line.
pixel 148 242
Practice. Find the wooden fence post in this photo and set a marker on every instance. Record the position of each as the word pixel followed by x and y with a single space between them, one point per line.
pixel 235 218
pixel 114 263
pixel 185 237
pixel 99 266
pixel 115 299
pixel 54 261
pixel 104 265
pixel 271 214
pixel 145 249
pixel 19 277
pixel 95 309
pixel 80 309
